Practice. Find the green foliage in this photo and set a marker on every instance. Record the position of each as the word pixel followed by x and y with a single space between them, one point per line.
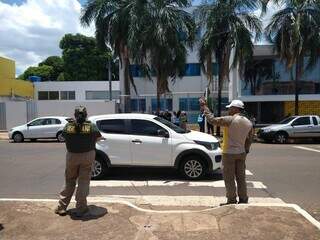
pixel 61 77
pixel 44 71
pixel 83 61
pixel 56 63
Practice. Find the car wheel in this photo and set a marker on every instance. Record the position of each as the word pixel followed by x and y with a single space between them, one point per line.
pixel 193 167
pixel 99 169
pixel 281 138
pixel 60 137
pixel 18 137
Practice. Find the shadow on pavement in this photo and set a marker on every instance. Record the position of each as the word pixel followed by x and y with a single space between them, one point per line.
pixel 1 227
pixel 147 174
pixel 95 212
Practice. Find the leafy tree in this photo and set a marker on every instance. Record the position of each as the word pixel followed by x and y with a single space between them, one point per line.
pixel 229 27
pixel 56 63
pixel 159 40
pixel 83 61
pixel 44 71
pixel 112 21
pixel 294 30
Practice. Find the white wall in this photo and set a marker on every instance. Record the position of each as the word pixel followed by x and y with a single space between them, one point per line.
pixel 16 113
pixel 80 87
pixel 66 108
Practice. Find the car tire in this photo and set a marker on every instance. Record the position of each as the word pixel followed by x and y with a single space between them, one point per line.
pixel 18 137
pixel 281 137
pixel 60 137
pixel 193 167
pixel 99 169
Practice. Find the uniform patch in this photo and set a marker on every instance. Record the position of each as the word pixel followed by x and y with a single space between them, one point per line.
pixel 71 129
pixel 86 128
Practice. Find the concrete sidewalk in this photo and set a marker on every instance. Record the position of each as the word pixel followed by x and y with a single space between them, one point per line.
pixel 36 220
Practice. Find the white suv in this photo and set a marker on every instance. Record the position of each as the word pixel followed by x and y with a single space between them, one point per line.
pixel 150 141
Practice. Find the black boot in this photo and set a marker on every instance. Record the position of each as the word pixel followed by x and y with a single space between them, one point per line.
pixel 229 202
pixel 243 201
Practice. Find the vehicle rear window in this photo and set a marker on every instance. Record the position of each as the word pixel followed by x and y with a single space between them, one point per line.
pixel 115 126
pixel 315 121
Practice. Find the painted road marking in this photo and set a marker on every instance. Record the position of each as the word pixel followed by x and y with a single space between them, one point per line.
pixel 216 184
pixel 192 201
pixel 307 149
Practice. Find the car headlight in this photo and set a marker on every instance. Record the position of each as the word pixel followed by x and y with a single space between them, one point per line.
pixel 209 145
pixel 266 130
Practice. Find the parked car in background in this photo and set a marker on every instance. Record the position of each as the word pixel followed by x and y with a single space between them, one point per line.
pixel 294 127
pixel 40 128
pixel 149 141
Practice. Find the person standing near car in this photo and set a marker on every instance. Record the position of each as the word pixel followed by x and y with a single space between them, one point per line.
pixel 237 138
pixel 80 138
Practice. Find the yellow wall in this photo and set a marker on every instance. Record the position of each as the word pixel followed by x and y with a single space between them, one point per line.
pixel 305 108
pixel 9 86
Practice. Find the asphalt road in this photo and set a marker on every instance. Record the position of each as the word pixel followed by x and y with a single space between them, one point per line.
pixel 35 170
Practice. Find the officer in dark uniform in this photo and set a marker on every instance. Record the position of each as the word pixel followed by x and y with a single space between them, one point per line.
pixel 80 137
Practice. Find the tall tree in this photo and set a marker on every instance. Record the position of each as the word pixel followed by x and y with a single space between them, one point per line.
pixel 295 32
pixel 83 61
pixel 230 26
pixel 112 21
pixel 160 38
pixel 56 63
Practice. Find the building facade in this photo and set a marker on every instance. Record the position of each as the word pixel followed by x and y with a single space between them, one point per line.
pixel 268 88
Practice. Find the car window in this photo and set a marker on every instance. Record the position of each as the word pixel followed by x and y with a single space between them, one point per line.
pixel 48 121
pixel 302 121
pixel 37 122
pixel 315 122
pixel 116 126
pixel 171 125
pixel 56 121
pixel 144 127
pixel 286 120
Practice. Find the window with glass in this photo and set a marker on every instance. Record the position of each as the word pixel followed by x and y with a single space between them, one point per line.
pixel 165 104
pixel 37 122
pixel 270 76
pixel 138 105
pixel 189 104
pixel 315 122
pixel 96 95
pixel 48 95
pixel 301 121
pixel 145 128
pixel 67 95
pixel 192 69
pixel 112 126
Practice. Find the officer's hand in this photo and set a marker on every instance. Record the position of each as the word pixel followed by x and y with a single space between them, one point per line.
pixel 202 102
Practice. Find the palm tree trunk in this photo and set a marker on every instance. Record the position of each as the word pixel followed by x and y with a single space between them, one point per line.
pixel 297 85
pixel 158 94
pixel 127 100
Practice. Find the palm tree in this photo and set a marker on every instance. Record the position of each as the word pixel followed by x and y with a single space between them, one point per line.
pixel 112 20
pixel 162 34
pixel 295 32
pixel 230 26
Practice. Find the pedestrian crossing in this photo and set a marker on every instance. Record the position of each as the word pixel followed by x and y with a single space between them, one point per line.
pixel 175 192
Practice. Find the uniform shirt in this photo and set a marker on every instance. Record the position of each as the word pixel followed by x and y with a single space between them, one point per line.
pixel 237 132
pixel 82 141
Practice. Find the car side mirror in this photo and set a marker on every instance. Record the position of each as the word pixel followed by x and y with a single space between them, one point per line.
pixel 163 133
pixel 28 125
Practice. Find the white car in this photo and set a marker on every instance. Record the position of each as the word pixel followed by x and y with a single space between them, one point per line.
pixel 150 141
pixel 40 128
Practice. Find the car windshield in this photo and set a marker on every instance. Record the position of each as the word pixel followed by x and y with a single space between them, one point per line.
pixel 171 125
pixel 286 120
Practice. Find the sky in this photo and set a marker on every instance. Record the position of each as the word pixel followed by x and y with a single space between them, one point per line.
pixel 30 30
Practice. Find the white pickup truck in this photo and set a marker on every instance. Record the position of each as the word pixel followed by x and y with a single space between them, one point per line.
pixel 307 126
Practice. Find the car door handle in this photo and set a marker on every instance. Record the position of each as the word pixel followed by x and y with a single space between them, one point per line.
pixel 138 141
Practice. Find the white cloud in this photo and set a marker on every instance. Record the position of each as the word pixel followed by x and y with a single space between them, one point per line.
pixel 31 32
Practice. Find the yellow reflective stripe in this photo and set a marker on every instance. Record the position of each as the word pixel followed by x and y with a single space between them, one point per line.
pixel 225 139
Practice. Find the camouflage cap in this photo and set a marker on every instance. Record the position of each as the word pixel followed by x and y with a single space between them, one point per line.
pixel 80 109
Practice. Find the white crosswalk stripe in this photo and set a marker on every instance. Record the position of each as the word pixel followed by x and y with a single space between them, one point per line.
pixel 217 184
pixel 168 197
